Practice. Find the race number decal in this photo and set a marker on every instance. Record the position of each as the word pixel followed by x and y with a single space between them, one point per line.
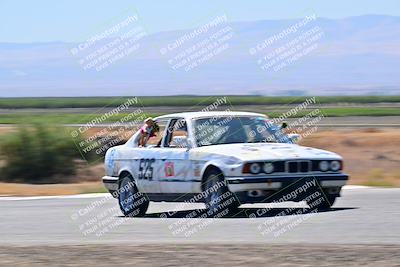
pixel 146 169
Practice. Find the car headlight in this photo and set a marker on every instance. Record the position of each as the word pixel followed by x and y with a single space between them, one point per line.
pixel 323 165
pixel 255 168
pixel 335 165
pixel 232 161
pixel 268 167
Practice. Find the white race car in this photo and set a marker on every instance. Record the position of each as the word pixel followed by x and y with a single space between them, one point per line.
pixel 224 159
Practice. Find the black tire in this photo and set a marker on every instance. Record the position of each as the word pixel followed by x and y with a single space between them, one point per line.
pixel 325 204
pixel 218 199
pixel 131 202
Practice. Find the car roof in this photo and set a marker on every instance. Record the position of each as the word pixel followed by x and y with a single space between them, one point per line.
pixel 205 114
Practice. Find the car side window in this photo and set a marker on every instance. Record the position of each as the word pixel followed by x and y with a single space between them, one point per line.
pixel 177 134
pixel 156 140
pixel 153 141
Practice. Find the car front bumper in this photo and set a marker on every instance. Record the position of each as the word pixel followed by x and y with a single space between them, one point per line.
pixel 276 182
pixel 255 189
pixel 111 184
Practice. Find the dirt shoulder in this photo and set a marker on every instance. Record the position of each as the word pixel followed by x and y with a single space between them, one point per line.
pixel 13 189
pixel 201 255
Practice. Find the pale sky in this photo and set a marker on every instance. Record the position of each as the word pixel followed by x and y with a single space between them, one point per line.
pixel 72 20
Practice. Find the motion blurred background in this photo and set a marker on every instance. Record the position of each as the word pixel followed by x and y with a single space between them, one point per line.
pixel 270 57
pixel 78 77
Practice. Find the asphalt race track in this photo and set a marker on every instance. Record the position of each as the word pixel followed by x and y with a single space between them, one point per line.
pixel 360 216
pixel 361 229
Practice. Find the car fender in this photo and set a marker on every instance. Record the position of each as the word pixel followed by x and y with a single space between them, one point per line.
pixel 217 164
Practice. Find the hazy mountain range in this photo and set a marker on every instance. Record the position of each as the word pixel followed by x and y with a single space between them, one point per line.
pixel 355 55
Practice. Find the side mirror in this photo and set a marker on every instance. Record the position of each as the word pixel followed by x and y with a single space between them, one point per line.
pixel 284 125
pixel 294 138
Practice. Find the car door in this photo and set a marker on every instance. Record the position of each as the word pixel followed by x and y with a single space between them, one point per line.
pixel 174 159
pixel 144 161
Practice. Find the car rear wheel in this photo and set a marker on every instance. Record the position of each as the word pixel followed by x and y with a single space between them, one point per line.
pixel 218 199
pixel 131 202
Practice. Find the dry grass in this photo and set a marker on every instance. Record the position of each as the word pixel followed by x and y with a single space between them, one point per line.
pixel 87 180
pixel 371 157
pixel 7 129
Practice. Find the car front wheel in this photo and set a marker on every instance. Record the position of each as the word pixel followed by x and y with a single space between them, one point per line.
pixel 131 202
pixel 218 199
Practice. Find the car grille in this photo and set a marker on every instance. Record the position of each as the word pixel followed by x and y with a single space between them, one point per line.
pixel 279 166
pixel 292 167
pixel 300 166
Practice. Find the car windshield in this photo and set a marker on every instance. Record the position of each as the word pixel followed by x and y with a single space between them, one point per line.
pixel 233 129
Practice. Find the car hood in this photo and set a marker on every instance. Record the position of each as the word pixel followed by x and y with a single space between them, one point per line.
pixel 261 151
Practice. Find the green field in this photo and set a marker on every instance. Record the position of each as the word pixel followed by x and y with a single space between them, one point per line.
pixel 192 102
pixel 86 102
pixel 65 118
pixel 58 118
